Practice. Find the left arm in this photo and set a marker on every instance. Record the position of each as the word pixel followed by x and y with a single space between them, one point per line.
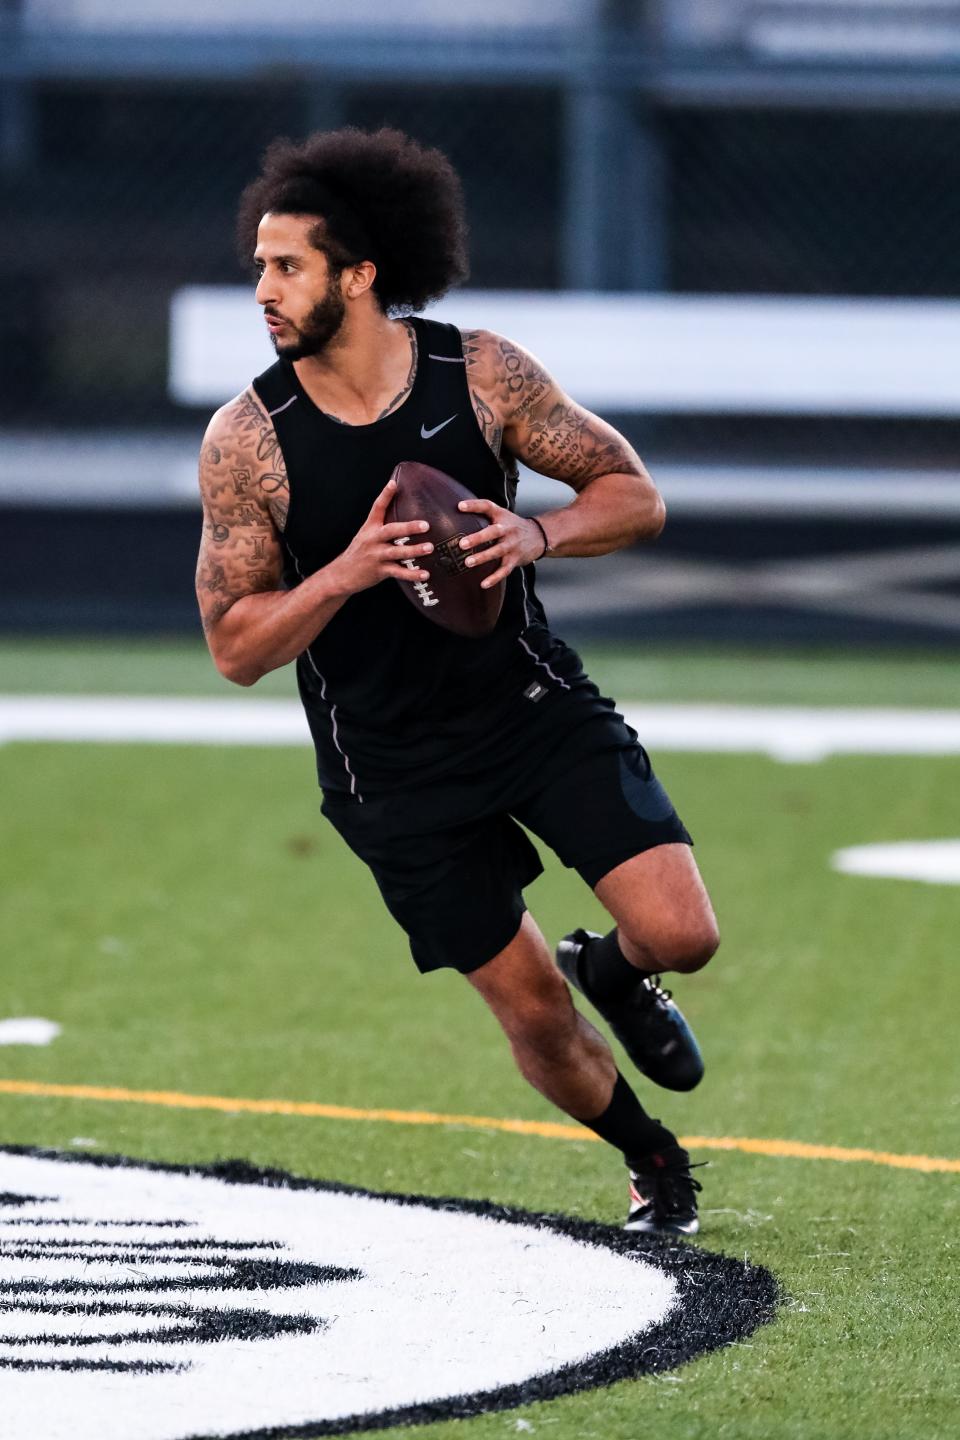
pixel 519 405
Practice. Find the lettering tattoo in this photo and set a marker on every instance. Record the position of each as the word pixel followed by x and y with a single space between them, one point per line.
pixel 517 403
pixel 247 515
pixel 573 445
pixel 246 496
pixel 261 580
pixel 527 382
pixel 505 382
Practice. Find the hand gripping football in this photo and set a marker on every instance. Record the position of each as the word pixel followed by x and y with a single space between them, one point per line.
pixel 452 597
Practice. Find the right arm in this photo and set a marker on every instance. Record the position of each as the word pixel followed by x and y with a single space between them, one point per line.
pixel 252 625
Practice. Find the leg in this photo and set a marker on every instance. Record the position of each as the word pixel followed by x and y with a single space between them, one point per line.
pixel 556 1049
pixel 609 818
pixel 457 891
pixel 665 922
pixel 565 1058
pixel 663 913
pixel 614 823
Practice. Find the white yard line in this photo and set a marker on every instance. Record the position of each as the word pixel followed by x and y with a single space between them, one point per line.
pixel 935 862
pixel 152 719
pixel 790 733
pixel 28 1030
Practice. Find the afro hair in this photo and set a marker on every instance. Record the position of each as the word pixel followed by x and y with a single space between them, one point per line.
pixel 377 195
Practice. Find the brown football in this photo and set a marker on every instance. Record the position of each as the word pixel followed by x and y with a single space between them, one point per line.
pixel 452 597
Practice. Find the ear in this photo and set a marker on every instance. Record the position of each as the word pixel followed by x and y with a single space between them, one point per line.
pixel 356 280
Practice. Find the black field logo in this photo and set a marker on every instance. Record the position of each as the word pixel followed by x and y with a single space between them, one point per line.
pixel 142 1302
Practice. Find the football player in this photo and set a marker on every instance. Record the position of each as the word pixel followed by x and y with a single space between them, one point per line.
pixel 433 751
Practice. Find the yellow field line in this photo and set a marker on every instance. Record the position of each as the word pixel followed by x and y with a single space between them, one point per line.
pixel 546 1129
pixel 800 1150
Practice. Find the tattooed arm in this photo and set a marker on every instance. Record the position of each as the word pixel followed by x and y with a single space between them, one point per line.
pixel 521 409
pixel 252 625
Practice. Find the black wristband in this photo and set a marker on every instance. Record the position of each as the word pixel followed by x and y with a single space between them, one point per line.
pixel 546 542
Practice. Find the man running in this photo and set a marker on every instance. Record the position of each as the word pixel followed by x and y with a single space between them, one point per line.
pixel 430 747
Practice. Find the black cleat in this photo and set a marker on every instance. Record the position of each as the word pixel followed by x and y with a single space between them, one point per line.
pixel 663 1194
pixel 649 1026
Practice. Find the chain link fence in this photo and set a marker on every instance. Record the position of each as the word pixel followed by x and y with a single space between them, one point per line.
pixel 675 156
pixel 131 190
pixel 118 191
pixel 131 194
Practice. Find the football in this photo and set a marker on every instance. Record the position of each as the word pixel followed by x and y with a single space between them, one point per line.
pixel 452 597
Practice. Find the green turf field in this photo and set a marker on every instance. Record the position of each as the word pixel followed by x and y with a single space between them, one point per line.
pixel 194 926
pixel 775 677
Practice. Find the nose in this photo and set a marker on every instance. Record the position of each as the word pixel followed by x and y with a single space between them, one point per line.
pixel 266 289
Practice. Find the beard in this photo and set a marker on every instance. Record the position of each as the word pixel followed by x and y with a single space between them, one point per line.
pixel 322 325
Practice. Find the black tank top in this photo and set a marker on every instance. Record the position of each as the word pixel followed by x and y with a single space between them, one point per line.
pixel 392 699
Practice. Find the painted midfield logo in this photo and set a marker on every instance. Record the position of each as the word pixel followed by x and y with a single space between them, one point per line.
pixel 153 1303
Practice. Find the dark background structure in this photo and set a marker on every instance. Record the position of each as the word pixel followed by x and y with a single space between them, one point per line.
pixel 676 146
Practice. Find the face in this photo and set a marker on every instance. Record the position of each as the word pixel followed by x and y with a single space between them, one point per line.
pixel 301 296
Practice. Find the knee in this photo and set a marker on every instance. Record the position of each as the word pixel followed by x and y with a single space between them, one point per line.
pixel 683 949
pixel 696 948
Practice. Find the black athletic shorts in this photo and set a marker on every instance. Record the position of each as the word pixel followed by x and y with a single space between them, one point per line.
pixel 452 861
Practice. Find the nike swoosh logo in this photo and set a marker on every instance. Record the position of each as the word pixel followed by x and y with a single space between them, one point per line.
pixel 426 434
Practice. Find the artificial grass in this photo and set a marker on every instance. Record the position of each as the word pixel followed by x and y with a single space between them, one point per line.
pixel 188 918
pixel 738 675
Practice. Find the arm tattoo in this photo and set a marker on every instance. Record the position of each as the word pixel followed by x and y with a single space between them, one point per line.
pixel 247 414
pixel 513 379
pixel 569 442
pixel 258 444
pixel 489 429
pixel 472 349
pixel 517 401
pixel 243 481
pixel 522 380
pixel 214 578
pixel 213 592
pixel 505 383
pixel 276 490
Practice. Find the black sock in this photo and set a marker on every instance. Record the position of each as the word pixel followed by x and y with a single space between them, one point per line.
pixel 627 1126
pixel 605 971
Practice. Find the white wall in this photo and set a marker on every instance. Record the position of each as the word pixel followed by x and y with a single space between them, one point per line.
pixel 653 353
pixel 269 15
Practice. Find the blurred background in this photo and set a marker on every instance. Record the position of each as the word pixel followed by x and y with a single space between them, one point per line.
pixel 756 205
